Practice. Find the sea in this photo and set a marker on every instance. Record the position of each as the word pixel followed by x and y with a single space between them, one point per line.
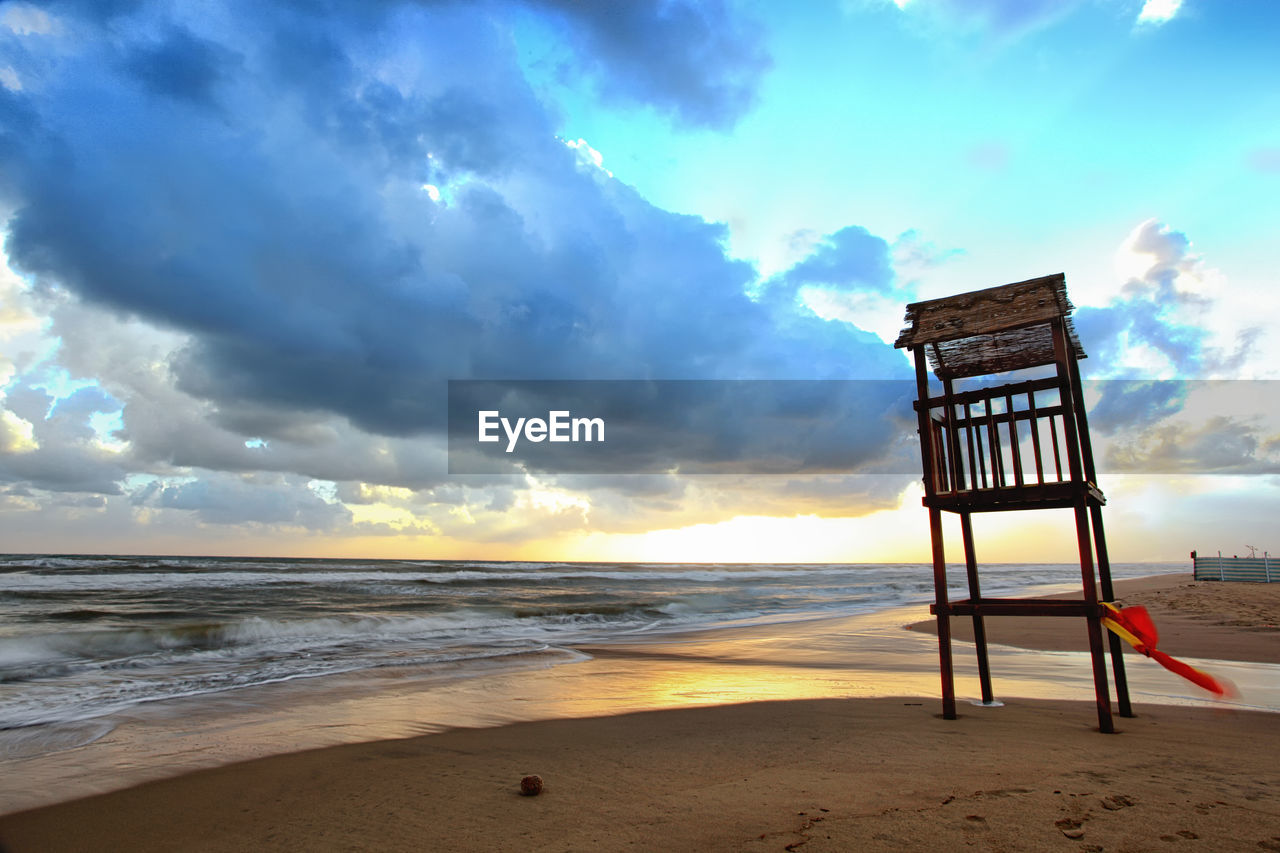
pixel 83 637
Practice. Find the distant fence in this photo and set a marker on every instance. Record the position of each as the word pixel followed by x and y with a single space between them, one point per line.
pixel 1257 569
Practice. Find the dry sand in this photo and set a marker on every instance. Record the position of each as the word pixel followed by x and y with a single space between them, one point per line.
pixel 812 775
pixel 1204 619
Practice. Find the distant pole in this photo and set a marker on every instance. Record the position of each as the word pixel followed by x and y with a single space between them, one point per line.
pixel 1219 564
pixel 1266 565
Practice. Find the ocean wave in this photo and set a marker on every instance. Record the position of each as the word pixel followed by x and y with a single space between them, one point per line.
pixel 29 581
pixel 94 635
pixel 21 656
pixel 44 704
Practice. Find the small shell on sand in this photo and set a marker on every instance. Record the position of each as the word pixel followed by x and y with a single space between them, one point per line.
pixel 531 786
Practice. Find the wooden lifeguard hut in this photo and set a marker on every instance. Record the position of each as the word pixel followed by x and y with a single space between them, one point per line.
pixel 1015 438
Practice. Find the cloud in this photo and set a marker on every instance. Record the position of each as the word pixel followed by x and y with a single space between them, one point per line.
pixel 1011 19
pixel 49 444
pixel 848 277
pixel 855 277
pixel 913 255
pixel 1159 324
pixel 1127 404
pixel 707 500
pixel 1218 445
pixel 1156 255
pixel 253 499
pixel 25 19
pixel 223 221
pixel 1159 11
pixel 1169 359
pixel 1132 337
pixel 1219 426
pixel 180 66
pixel 693 61
pixel 850 259
pixel 294 247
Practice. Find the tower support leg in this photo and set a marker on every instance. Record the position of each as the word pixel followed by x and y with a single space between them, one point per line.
pixel 975 595
pixel 944 617
pixel 1101 691
pixel 1109 594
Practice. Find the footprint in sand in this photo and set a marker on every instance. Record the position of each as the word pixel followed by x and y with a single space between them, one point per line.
pixel 1070 827
pixel 1179 835
pixel 1117 801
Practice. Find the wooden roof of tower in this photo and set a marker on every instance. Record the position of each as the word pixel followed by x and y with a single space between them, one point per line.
pixel 992 330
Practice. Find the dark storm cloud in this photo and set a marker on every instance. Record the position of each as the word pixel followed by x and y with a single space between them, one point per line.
pixel 1124 404
pixel 63 469
pixel 286 232
pixel 692 60
pixel 180 66
pixel 851 258
pixel 340 208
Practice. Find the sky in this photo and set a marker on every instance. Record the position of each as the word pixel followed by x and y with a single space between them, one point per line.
pixel 247 247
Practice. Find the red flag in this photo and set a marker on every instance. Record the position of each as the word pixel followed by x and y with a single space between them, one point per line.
pixel 1195 676
pixel 1139 623
pixel 1134 626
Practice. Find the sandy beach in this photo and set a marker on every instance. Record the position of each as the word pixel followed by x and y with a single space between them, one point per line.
pixel 880 773
pixel 1205 619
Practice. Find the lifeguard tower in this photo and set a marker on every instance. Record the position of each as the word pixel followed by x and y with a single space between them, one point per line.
pixel 1015 438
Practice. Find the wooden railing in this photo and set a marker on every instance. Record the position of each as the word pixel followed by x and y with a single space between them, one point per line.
pixel 1000 438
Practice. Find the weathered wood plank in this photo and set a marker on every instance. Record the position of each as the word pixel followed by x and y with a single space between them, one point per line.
pixel 990 331
pixel 1019 607
pixel 978 312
